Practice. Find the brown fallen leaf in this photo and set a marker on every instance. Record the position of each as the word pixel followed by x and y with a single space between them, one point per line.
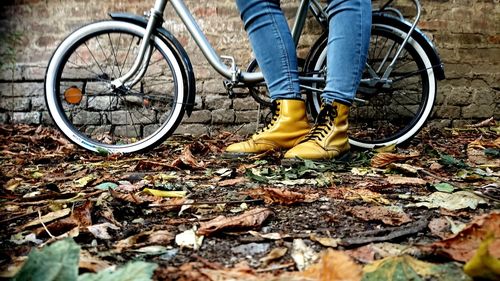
pixel 356 193
pixel 380 213
pixel 462 246
pixel 383 159
pixel 333 266
pixel 275 254
pixel 232 182
pixel 186 159
pixel 152 237
pixel 371 252
pixel 249 219
pixel 398 180
pixel 80 217
pixel 47 218
pixel 135 198
pixel 440 227
pixel 476 152
pixel 281 196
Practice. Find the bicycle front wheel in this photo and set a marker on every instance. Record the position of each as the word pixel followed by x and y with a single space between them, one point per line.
pixel 95 115
pixel 384 113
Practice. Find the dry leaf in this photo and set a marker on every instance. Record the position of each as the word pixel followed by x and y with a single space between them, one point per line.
pixel 440 227
pixel 281 196
pixel 383 159
pixel 371 252
pixel 325 241
pixel 249 219
pixel 160 237
pixel 354 194
pixel 462 246
pixel 80 217
pixel 186 159
pixel 380 213
pixel 47 218
pixel 398 180
pixel 101 230
pixel 232 182
pixel 275 254
pixel 334 266
pixel 270 236
pixel 134 198
pixel 164 193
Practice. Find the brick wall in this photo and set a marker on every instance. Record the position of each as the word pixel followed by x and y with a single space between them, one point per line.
pixel 466 34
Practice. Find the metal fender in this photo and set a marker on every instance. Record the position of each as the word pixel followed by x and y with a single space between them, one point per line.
pixel 419 36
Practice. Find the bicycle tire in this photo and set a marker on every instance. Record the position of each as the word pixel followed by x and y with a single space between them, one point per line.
pixel 99 118
pixel 379 123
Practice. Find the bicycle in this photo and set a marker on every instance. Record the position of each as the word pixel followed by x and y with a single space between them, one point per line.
pixel 107 88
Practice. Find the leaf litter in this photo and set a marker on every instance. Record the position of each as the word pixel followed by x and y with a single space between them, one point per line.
pixel 192 215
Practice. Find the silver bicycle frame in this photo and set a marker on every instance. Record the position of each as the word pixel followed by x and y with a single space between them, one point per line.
pixel 232 72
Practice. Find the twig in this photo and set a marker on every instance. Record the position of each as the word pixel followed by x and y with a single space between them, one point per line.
pixel 433 175
pixel 394 232
pixel 43 224
pixel 206 203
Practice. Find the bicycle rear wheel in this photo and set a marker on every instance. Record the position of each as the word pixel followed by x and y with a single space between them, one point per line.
pixel 98 117
pixel 390 114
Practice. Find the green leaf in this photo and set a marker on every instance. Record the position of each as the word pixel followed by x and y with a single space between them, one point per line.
pixel 492 152
pixel 444 187
pixel 132 271
pixel 450 161
pixel 57 262
pixel 103 151
pixel 406 268
pixel 106 186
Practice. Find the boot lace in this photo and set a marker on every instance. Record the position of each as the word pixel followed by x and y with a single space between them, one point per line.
pixel 275 109
pixel 323 124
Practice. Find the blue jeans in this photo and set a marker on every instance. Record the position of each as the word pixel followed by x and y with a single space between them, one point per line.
pixel 271 40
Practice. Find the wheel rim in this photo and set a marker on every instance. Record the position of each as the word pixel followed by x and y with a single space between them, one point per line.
pixel 123 120
pixel 392 124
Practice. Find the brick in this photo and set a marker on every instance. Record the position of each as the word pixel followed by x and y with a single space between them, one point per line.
pixel 46 119
pixel 222 116
pixel 201 116
pixel 247 103
pixel 449 112
pixel 191 129
pixel 475 111
pixel 21 89
pixel 217 102
pixel 26 117
pixel 246 116
pixel 15 104
pixel 38 104
pixel 4 118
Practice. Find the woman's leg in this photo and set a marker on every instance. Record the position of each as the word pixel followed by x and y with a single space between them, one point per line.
pixel 348 41
pixel 273 46
pixel 275 52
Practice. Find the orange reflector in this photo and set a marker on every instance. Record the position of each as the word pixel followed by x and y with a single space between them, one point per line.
pixel 73 95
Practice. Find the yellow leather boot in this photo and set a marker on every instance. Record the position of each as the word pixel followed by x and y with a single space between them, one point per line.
pixel 288 126
pixel 328 137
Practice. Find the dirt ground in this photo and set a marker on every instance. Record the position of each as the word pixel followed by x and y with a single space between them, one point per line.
pixel 435 200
